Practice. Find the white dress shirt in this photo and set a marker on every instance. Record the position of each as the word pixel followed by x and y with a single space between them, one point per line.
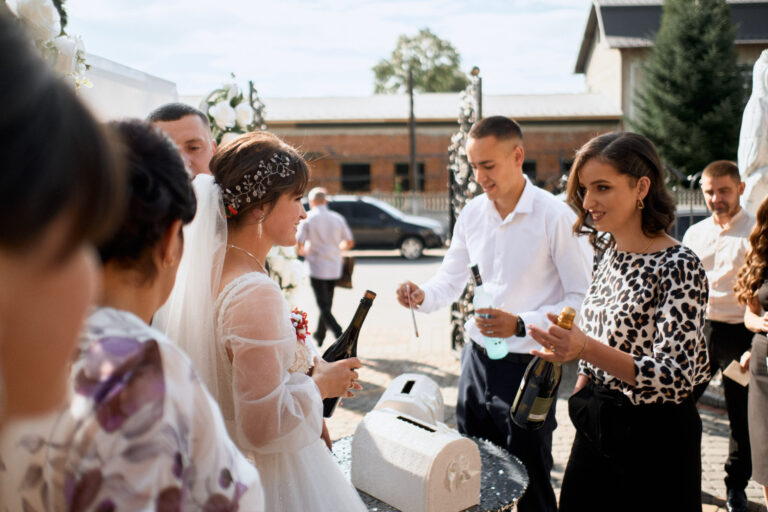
pixel 721 251
pixel 323 230
pixel 530 261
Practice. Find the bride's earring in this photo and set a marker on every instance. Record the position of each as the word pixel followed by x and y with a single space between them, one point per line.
pixel 259 229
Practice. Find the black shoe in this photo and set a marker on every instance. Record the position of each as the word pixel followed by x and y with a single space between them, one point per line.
pixel 319 340
pixel 736 501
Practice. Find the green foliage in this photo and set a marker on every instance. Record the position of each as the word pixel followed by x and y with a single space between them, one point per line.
pixel 693 95
pixel 435 63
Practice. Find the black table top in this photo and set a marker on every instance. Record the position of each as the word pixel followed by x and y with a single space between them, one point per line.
pixel 502 483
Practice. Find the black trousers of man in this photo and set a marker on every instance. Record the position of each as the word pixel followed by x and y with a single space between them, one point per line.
pixel 726 342
pixel 487 389
pixel 323 289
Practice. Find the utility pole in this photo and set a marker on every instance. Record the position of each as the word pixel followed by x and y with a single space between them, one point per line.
pixel 414 174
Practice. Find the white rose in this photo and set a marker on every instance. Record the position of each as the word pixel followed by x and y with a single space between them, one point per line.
pixel 232 91
pixel 41 17
pixel 223 114
pixel 67 48
pixel 244 114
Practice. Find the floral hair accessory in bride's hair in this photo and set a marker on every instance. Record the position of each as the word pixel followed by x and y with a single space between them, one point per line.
pixel 299 321
pixel 254 186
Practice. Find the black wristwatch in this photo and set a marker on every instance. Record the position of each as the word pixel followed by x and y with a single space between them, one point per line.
pixel 520 333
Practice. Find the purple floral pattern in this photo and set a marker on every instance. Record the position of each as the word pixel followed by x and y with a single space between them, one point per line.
pixel 141 433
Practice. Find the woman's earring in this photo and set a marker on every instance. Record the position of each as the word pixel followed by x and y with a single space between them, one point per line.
pixel 259 229
pixel 640 204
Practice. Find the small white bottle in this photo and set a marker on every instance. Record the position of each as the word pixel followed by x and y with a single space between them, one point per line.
pixel 495 347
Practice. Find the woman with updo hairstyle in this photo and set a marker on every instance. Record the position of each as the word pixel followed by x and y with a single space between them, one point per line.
pixel 271 383
pixel 752 290
pixel 61 186
pixel 639 339
pixel 141 432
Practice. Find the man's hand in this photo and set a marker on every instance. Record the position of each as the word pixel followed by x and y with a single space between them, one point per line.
pixel 495 323
pixel 417 294
pixel 744 361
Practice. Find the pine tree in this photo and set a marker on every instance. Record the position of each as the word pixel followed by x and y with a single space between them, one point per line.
pixel 693 94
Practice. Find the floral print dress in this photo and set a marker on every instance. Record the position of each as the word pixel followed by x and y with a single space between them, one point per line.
pixel 141 432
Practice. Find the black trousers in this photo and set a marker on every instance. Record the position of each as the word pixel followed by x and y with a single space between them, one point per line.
pixel 487 389
pixel 726 342
pixel 632 458
pixel 323 289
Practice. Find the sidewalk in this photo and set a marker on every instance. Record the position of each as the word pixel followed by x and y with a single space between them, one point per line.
pixel 388 348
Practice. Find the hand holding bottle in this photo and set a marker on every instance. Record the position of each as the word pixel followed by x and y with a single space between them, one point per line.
pixel 495 323
pixel 417 294
pixel 560 345
pixel 338 378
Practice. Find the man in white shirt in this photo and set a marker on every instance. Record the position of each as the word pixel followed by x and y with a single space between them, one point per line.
pixel 190 131
pixel 720 242
pixel 522 239
pixel 322 236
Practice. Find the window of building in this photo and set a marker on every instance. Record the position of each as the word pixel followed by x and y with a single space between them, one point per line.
pixel 403 177
pixel 529 168
pixel 356 177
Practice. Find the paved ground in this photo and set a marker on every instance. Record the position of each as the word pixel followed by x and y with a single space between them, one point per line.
pixel 389 348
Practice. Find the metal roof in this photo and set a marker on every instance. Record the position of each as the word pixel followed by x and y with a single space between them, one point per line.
pixel 432 107
pixel 634 23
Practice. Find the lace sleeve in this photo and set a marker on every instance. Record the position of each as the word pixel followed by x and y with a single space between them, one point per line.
pixel 275 410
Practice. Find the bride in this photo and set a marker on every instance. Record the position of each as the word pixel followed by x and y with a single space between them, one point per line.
pixel 269 384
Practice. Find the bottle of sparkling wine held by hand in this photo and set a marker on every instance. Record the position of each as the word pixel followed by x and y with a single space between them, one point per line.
pixel 495 347
pixel 538 389
pixel 346 345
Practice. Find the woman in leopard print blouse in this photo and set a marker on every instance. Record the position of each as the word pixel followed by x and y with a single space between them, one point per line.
pixel 640 341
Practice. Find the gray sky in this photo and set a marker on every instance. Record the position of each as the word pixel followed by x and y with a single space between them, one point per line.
pixel 327 48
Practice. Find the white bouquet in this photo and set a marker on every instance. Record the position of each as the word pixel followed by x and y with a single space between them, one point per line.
pixel 286 270
pixel 231 113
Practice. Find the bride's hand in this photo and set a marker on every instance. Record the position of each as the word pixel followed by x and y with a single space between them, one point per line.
pixel 338 378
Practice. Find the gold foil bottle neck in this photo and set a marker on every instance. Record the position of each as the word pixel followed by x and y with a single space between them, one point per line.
pixel 565 319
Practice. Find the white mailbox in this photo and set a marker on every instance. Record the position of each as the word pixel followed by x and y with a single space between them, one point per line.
pixel 416 395
pixel 415 466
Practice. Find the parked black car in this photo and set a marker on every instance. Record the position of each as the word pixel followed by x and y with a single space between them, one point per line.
pixel 378 225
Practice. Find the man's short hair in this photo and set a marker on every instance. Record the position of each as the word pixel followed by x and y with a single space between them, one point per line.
pixel 720 168
pixel 317 194
pixel 503 128
pixel 174 112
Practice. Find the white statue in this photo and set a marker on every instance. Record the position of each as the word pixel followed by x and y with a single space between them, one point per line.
pixel 753 140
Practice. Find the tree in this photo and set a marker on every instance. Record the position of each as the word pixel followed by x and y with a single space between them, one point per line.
pixel 435 63
pixel 693 93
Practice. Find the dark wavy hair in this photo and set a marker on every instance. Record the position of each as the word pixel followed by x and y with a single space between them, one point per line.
pixel 160 193
pixel 635 156
pixel 243 155
pixel 753 272
pixel 56 159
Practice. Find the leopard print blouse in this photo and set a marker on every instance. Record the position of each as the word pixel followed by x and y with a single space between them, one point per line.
pixel 651 306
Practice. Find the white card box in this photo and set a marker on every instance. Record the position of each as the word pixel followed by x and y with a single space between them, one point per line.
pixel 414 466
pixel 416 395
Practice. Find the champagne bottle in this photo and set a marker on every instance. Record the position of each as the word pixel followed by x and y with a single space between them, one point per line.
pixel 346 345
pixel 495 347
pixel 538 389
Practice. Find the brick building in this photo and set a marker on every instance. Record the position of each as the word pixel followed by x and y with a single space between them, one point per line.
pixel 361 144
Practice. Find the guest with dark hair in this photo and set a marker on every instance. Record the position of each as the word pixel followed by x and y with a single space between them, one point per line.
pixel 521 238
pixel 640 339
pixel 61 189
pixel 142 432
pixel 190 130
pixel 752 291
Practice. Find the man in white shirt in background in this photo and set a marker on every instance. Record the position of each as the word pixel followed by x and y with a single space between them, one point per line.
pixel 322 236
pixel 720 242
pixel 190 131
pixel 522 239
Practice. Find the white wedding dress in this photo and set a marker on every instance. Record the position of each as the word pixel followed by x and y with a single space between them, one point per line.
pixel 272 408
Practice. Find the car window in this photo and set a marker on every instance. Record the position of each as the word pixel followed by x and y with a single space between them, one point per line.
pixel 366 211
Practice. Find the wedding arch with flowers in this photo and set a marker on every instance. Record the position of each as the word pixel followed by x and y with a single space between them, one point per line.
pixel 231 113
pixel 45 21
